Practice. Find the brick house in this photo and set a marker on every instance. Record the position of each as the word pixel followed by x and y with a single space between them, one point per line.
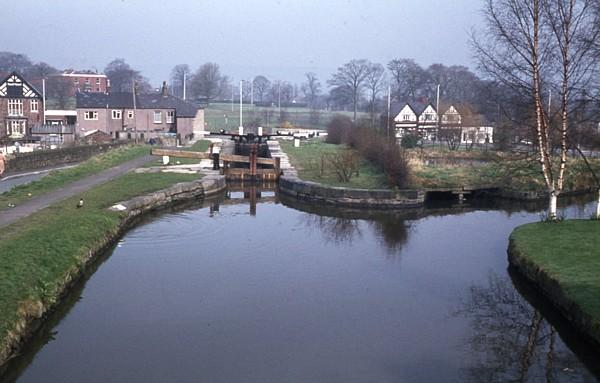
pixel 85 81
pixel 21 107
pixel 154 115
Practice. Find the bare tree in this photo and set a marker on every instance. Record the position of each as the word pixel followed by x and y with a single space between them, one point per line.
pixel 311 89
pixel 122 76
pixel 351 77
pixel 60 90
pixel 41 70
pixel 408 77
pixel 14 62
pixel 575 28
pixel 518 53
pixel 179 75
pixel 374 83
pixel 207 81
pixel 261 87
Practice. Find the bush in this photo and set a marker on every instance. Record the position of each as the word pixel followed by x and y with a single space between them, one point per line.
pixel 338 129
pixel 374 146
pixel 409 141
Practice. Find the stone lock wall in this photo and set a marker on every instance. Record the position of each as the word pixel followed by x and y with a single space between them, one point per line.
pixel 347 197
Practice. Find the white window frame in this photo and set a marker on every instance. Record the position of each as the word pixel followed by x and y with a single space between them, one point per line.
pixel 130 114
pixel 117 114
pixel 170 116
pixel 34 106
pixel 15 107
pixel 90 115
pixel 87 81
pixel 406 117
pixel 98 81
pixel 157 113
pixel 13 125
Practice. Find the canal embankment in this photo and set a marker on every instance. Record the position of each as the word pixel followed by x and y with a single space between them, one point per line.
pixel 462 175
pixel 42 255
pixel 562 260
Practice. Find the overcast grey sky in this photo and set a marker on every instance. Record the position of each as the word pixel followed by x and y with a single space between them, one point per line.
pixel 278 39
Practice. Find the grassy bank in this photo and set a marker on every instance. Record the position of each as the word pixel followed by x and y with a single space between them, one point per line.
pixel 56 179
pixel 485 169
pixel 569 253
pixel 39 253
pixel 307 161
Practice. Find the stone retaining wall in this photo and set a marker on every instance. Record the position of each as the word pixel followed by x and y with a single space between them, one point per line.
pixel 202 188
pixel 45 158
pixel 552 289
pixel 347 197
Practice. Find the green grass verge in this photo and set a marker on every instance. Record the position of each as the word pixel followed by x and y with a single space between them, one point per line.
pixel 307 161
pixel 568 251
pixel 38 252
pixel 57 179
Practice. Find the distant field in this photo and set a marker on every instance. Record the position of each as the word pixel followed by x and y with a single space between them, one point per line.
pixel 267 117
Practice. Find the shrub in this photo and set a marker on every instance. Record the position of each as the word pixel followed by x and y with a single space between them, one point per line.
pixel 409 141
pixel 338 129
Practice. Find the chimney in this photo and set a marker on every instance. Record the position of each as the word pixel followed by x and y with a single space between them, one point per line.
pixel 164 91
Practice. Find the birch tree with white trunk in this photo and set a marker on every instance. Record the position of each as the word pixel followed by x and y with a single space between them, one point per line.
pixel 538 45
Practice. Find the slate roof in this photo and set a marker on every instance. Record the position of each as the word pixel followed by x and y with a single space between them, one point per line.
pixel 124 100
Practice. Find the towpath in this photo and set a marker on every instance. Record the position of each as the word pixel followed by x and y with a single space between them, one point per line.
pixel 75 188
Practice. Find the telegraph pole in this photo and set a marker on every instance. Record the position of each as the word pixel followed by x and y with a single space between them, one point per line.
pixel 241 128
pixel 184 78
pixel 389 104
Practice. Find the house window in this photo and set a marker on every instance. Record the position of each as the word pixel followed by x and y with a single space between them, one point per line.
pixel 98 81
pixel 15 107
pixel 15 128
pixel 34 105
pixel 87 81
pixel 90 115
pixel 116 114
pixel 406 117
pixel 170 116
pixel 157 117
pixel 76 81
pixel 130 114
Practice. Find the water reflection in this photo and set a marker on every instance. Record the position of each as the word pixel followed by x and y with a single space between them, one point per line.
pixel 247 290
pixel 513 341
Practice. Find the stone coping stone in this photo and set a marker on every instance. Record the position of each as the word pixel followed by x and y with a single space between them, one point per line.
pixel 341 196
pixel 204 187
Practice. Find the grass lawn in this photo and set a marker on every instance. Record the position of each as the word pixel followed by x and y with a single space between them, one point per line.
pixel 56 179
pixel 568 251
pixel 307 161
pixel 37 253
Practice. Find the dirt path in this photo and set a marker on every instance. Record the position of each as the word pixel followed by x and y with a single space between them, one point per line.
pixel 26 208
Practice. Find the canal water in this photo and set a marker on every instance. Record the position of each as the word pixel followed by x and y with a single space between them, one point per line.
pixel 256 290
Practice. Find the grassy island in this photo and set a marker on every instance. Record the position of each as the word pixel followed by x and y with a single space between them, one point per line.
pixel 563 260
